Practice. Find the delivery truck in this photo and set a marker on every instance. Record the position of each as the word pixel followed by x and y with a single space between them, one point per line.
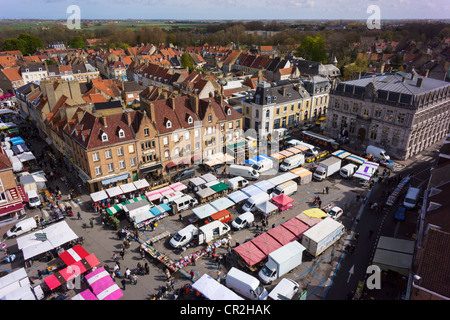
pixel 245 285
pixel 244 171
pixel 264 164
pixel 327 168
pixel 292 162
pixel 204 234
pixel 281 261
pixel 253 201
pixel 322 235
pixel 237 183
pixel 287 188
pixel 284 290
pixel 348 170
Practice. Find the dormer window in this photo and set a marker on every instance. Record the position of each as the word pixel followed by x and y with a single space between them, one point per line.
pixel 168 124
pixel 190 120
pixel 269 99
pixel 121 133
pixel 229 112
pixel 104 137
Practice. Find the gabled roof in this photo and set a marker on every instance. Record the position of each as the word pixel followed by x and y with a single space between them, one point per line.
pixel 12 73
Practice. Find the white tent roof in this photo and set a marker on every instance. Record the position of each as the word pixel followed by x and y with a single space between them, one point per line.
pixel 114 191
pixel 128 187
pixel 222 204
pixel 33 178
pixel 13 281
pixel 99 195
pixel 213 290
pixel 204 211
pixel 26 156
pixel 140 184
pixel 57 234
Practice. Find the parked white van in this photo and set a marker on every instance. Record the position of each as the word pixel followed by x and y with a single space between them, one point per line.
pixel 33 199
pixel 253 201
pixel 284 290
pixel 378 152
pixel 184 236
pixel 236 183
pixel 244 171
pixel 243 220
pixel 22 227
pixel 245 285
pixel 412 195
pixel 292 162
pixel 184 203
pixel 348 170
pixel 287 188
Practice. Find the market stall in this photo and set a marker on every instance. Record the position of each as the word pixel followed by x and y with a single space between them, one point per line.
pixel 282 235
pixel 20 148
pixel 196 183
pixel 99 196
pixel 85 295
pixel 265 186
pixel 309 221
pixel 206 194
pixel 128 187
pixel 208 177
pixel 114 191
pixel 266 243
pixel 250 254
pixel 178 186
pixel 16 286
pixel 296 227
pixel 114 209
pixel 238 196
pixel 397 191
pixel 153 196
pixel 204 211
pixel 160 209
pixel 251 190
pixel 366 171
pixel 26 156
pixel 315 213
pixel 294 150
pixel 266 208
pixel 74 254
pixel 220 188
pixel 103 287
pixel 283 202
pixel 355 159
pixel 141 184
pixel 16 141
pixel 222 204
pixel 138 211
pixel 213 290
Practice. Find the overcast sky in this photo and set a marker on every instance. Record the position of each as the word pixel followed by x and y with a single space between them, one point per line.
pixel 226 9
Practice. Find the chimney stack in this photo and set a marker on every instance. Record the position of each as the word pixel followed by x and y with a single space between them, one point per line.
pixel 194 103
pixel 403 79
pixel 283 91
pixel 172 102
pixel 104 121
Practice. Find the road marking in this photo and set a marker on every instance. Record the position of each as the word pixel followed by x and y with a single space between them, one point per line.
pixel 350 273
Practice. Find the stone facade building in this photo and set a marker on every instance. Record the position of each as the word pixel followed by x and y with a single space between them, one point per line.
pixel 403 112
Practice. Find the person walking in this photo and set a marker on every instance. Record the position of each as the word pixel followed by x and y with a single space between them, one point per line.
pixel 128 273
pixel 79 215
pixel 115 257
pixel 147 268
pixel 91 222
pixel 326 189
pixel 122 253
pixel 192 274
pixel 135 279
pixel 123 284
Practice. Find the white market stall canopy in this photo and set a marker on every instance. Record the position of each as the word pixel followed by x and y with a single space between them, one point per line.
pixel 366 171
pixel 15 285
pixel 264 185
pixel 208 177
pixel 222 204
pixel 251 190
pixel 213 290
pixel 141 184
pixel 99 195
pixel 204 211
pixel 56 235
pixel 238 196
pixel 128 187
pixel 26 156
pixel 114 191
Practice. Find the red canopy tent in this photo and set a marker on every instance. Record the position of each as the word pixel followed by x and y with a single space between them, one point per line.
pixel 282 200
pixel 296 227
pixel 266 243
pixel 250 253
pixel 73 255
pixel 282 235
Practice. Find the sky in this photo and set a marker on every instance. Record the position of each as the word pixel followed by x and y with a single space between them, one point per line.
pixel 226 9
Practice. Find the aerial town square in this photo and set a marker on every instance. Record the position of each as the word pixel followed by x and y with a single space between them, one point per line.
pixel 236 152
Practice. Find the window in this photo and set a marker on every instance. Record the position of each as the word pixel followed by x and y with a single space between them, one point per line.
pixel 110 167
pixel 166 141
pixel 374 132
pixel 176 138
pixel 210 118
pixel 389 115
pixel 352 125
pixel 108 154
pixel 131 148
pixel 343 122
pixel 122 164
pixel 190 120
pixel 276 123
pixel 166 154
pixel 238 123
pixel 197 145
pixel 196 133
pixel 378 112
pixel 188 148
pixel 278 110
pixel 187 136
pixel 269 99
pixel 285 109
pixel 98 170
pixel 104 137
pixel 120 151
pixel 230 125
pixel 401 118
pixel 267 113
pixel 146 132
pixel 229 112
pixel 257 114
pixel 168 124
pixel 96 156
pixel 334 121
pixel 133 161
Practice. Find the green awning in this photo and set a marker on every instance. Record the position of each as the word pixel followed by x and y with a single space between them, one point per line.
pixel 114 209
pixel 134 200
pixel 236 145
pixel 219 187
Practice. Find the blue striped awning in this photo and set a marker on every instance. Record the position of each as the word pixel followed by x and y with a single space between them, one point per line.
pixel 115 179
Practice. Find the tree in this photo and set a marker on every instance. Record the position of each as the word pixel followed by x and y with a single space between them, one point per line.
pixel 14 44
pixel 77 42
pixel 313 49
pixel 32 43
pixel 187 61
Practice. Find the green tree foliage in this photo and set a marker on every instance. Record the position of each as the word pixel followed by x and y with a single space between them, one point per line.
pixel 14 44
pixel 187 61
pixel 32 43
pixel 313 48
pixel 77 42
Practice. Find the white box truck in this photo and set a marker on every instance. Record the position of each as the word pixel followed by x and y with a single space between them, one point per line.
pixel 281 261
pixel 244 171
pixel 322 235
pixel 22 227
pixel 348 170
pixel 245 285
pixel 292 162
pixel 185 202
pixel 378 152
pixel 327 168
pixel 33 199
pixel 253 201
pixel 287 188
pixel 284 290
pixel 204 234
pixel 263 165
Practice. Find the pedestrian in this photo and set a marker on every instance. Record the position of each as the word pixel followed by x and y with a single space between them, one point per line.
pixel 147 268
pixel 128 273
pixel 39 274
pixel 192 273
pixel 138 268
pixel 113 276
pixel 91 222
pixel 320 203
pixel 168 276
pixel 324 190
pixel 327 188
pixel 135 279
pixel 168 285
pixel 172 284
pixel 117 266
pixel 123 283
pixel 79 215
pixel 122 253
pixel 180 218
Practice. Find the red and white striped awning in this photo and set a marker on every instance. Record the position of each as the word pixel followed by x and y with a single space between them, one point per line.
pixel 73 255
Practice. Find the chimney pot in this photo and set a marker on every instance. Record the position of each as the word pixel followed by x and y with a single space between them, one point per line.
pixel 419 82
